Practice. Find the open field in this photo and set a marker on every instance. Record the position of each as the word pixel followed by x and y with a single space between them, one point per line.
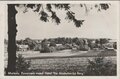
pixel 66 53
pixel 64 62
pixel 63 59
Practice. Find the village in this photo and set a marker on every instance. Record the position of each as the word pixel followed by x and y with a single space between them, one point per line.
pixel 57 44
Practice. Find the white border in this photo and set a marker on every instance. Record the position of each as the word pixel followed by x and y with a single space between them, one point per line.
pixel 3 22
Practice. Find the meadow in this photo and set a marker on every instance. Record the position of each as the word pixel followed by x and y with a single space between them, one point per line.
pixel 67 61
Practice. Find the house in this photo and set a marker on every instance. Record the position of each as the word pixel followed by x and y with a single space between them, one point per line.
pixel 60 47
pixel 38 47
pixel 110 44
pixel 22 47
pixel 58 44
pixel 74 46
pixel 93 41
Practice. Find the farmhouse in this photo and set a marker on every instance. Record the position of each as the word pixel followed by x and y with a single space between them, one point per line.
pixel 58 44
pixel 110 45
pixel 22 47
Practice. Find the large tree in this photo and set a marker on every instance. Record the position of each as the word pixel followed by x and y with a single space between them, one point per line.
pixel 70 15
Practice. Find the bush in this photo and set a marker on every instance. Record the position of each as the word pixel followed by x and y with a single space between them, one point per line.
pixel 45 50
pixel 83 49
pixel 52 44
pixel 21 64
pixel 98 67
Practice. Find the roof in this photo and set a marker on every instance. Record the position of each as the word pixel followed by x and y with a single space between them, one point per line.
pixel 22 46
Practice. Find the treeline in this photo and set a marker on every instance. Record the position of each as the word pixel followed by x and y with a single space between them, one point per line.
pixel 55 44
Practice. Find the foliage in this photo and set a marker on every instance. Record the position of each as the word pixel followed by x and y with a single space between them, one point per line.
pixel 103 41
pixel 52 44
pixel 21 64
pixel 31 43
pixel 44 16
pixel 99 67
pixel 70 15
pixel 81 44
pixel 90 44
pixel 115 45
pixel 44 46
pixel 83 49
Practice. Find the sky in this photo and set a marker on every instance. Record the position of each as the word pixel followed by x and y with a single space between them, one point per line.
pixel 96 25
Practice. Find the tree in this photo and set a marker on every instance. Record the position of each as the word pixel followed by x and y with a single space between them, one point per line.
pixel 31 43
pixel 44 46
pixel 80 43
pixel 103 41
pixel 43 17
pixel 20 41
pixel 97 42
pixel 52 44
pixel 11 38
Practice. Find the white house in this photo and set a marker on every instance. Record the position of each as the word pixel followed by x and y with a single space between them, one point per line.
pixel 23 47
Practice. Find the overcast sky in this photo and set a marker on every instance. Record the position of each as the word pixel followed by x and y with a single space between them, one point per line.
pixel 97 24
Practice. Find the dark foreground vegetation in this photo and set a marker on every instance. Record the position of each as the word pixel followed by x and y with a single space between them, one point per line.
pixel 97 66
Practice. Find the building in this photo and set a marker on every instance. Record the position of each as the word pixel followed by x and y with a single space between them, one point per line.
pixel 110 45
pixel 22 47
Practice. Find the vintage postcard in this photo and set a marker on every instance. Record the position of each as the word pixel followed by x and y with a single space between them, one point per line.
pixel 59 39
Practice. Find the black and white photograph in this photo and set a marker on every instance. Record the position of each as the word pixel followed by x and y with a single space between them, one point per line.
pixel 61 39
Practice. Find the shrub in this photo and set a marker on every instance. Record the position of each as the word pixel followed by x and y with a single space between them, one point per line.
pixel 52 44
pixel 45 50
pixel 98 67
pixel 21 64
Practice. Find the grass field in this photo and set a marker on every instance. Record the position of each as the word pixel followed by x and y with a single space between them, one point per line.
pixel 67 54
pixel 63 61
